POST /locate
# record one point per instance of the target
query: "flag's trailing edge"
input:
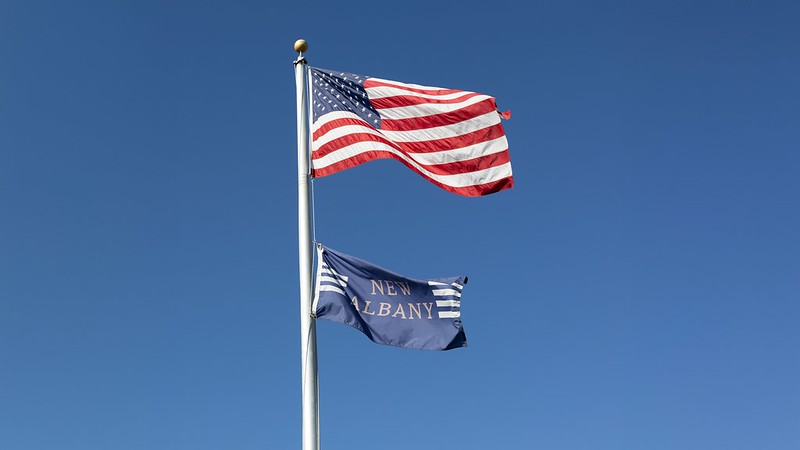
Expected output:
(453, 138)
(387, 307)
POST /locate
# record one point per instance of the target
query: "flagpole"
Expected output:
(308, 331)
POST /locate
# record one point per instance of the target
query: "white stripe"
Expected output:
(334, 276)
(446, 292)
(436, 283)
(460, 287)
(408, 85)
(447, 156)
(451, 303)
(402, 112)
(326, 287)
(315, 302)
(421, 135)
(328, 271)
(330, 117)
(387, 91)
(462, 154)
(449, 314)
(457, 180)
(324, 277)
(445, 131)
(344, 130)
(428, 109)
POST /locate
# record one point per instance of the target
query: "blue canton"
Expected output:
(341, 91)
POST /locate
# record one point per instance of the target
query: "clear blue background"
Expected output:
(639, 288)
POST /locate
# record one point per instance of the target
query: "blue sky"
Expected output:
(639, 288)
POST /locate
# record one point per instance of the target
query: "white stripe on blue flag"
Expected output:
(387, 307)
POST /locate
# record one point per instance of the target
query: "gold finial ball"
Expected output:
(300, 45)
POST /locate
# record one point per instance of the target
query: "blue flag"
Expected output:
(389, 308)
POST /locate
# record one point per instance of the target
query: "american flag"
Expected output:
(453, 138)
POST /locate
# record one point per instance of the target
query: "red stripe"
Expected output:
(437, 145)
(434, 145)
(469, 191)
(470, 165)
(371, 82)
(438, 120)
(349, 139)
(451, 168)
(339, 123)
(476, 137)
(409, 100)
(483, 189)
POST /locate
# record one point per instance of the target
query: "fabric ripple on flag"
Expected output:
(387, 307)
(452, 138)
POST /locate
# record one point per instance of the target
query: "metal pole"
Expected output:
(308, 331)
